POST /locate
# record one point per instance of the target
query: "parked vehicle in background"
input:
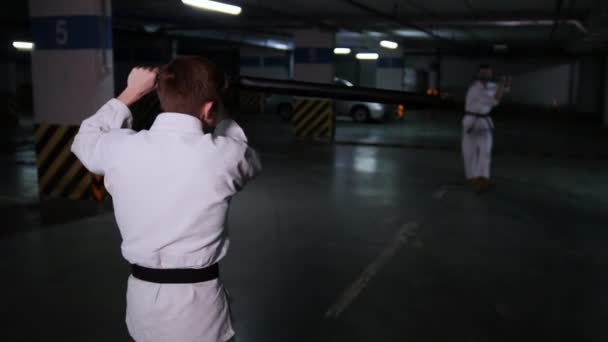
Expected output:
(357, 110)
(279, 104)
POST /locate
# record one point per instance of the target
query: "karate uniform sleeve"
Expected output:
(246, 169)
(242, 163)
(229, 128)
(94, 140)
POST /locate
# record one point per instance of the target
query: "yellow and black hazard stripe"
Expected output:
(60, 173)
(12, 106)
(251, 102)
(314, 118)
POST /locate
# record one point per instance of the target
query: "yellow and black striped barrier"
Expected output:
(314, 118)
(60, 173)
(251, 102)
(12, 106)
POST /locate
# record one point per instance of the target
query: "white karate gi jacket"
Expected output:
(171, 187)
(480, 100)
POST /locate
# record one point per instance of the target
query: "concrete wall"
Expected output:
(546, 86)
(347, 68)
(539, 82)
(389, 72)
(605, 92)
(131, 49)
(360, 73)
(15, 71)
(566, 83)
(389, 78)
(415, 80)
(16, 77)
(367, 73)
(267, 63)
(420, 73)
(589, 93)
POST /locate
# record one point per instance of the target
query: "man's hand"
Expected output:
(140, 82)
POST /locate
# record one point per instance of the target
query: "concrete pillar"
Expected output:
(390, 71)
(72, 76)
(605, 94)
(72, 59)
(314, 62)
(367, 73)
(314, 56)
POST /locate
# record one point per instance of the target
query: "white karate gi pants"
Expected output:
(476, 151)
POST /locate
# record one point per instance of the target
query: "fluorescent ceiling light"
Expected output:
(214, 6)
(341, 51)
(389, 44)
(375, 34)
(151, 28)
(23, 45)
(410, 33)
(367, 56)
(277, 45)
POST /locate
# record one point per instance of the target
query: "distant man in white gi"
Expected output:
(171, 187)
(477, 126)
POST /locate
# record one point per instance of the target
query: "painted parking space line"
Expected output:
(406, 233)
(440, 193)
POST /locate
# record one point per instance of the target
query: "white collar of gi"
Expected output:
(177, 122)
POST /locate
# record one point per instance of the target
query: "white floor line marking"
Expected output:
(440, 193)
(405, 234)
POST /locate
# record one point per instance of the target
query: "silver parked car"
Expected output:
(358, 111)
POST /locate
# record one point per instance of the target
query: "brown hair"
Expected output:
(186, 83)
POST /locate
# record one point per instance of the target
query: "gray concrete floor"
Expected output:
(513, 135)
(524, 262)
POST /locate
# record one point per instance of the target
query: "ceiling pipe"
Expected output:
(559, 5)
(269, 42)
(400, 21)
(575, 23)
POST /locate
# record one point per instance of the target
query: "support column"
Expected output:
(605, 94)
(390, 71)
(314, 56)
(314, 62)
(72, 76)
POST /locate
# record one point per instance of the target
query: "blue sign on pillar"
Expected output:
(390, 62)
(313, 55)
(72, 32)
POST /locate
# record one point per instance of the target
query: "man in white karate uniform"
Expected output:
(477, 126)
(171, 187)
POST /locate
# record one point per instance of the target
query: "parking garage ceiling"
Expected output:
(572, 26)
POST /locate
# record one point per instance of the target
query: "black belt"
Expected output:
(478, 115)
(175, 275)
(486, 117)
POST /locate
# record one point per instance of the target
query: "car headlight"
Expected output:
(376, 106)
